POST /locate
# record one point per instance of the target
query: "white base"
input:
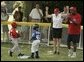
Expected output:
(23, 57)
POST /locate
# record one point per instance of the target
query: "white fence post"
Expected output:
(48, 35)
(30, 30)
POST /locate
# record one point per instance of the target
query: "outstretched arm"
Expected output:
(46, 13)
(65, 15)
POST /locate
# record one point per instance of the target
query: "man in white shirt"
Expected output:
(36, 14)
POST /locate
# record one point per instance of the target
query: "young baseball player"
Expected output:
(14, 35)
(35, 42)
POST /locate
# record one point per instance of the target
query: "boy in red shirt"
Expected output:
(74, 29)
(14, 35)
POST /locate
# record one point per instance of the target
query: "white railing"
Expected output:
(46, 25)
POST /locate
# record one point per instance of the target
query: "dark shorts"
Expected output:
(73, 38)
(57, 32)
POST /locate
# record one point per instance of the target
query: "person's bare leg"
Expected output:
(54, 44)
(58, 45)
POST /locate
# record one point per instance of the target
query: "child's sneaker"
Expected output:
(37, 54)
(11, 53)
(73, 55)
(32, 56)
(70, 53)
(20, 54)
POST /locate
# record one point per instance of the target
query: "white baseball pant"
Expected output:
(15, 43)
(35, 46)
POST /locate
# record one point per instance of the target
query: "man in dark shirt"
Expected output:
(18, 15)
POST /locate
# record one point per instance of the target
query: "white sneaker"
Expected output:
(73, 55)
(8, 51)
(70, 53)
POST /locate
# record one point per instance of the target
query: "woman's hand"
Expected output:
(46, 8)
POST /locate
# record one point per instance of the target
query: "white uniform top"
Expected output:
(57, 21)
(34, 14)
(35, 35)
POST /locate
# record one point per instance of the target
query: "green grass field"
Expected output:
(44, 55)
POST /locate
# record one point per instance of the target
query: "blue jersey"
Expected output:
(35, 35)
